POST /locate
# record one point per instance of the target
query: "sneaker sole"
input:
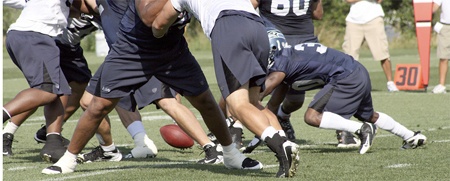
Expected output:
(295, 161)
(39, 140)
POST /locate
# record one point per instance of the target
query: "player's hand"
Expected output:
(183, 19)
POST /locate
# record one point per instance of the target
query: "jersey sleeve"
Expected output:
(177, 5)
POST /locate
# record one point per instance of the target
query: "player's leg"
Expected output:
(143, 145)
(84, 131)
(10, 129)
(189, 123)
(107, 150)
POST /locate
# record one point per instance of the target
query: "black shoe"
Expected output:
(287, 128)
(7, 144)
(98, 154)
(347, 140)
(287, 154)
(236, 136)
(41, 136)
(252, 145)
(213, 138)
(366, 135)
(212, 155)
(53, 149)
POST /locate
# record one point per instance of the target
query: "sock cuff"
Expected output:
(268, 132)
(135, 128)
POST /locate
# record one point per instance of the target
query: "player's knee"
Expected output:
(312, 118)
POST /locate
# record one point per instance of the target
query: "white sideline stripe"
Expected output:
(113, 169)
(270, 166)
(19, 168)
(85, 175)
(440, 141)
(402, 165)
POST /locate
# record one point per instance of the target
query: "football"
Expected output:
(176, 137)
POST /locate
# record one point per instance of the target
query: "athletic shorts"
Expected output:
(37, 56)
(443, 48)
(350, 96)
(73, 63)
(240, 54)
(373, 33)
(150, 92)
(121, 74)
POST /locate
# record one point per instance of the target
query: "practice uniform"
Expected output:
(137, 56)
(294, 20)
(345, 83)
(31, 45)
(73, 63)
(111, 13)
(246, 60)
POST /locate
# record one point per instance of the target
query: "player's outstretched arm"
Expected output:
(272, 81)
(164, 20)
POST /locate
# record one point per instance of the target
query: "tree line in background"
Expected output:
(399, 17)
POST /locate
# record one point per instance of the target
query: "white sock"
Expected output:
(282, 133)
(53, 133)
(237, 124)
(100, 139)
(135, 128)
(67, 160)
(10, 128)
(385, 122)
(268, 133)
(111, 147)
(229, 148)
(282, 114)
(333, 121)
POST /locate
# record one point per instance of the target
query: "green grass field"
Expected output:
(320, 159)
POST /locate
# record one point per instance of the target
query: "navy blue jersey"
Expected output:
(291, 17)
(311, 65)
(111, 12)
(135, 31)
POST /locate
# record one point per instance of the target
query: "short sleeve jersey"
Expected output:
(311, 65)
(291, 17)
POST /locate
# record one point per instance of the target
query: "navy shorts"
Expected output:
(350, 96)
(150, 92)
(240, 54)
(37, 56)
(122, 73)
(73, 63)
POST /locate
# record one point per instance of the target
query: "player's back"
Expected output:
(313, 61)
(289, 17)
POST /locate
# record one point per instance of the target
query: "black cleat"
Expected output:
(7, 144)
(347, 140)
(212, 155)
(53, 149)
(41, 136)
(366, 135)
(287, 128)
(287, 154)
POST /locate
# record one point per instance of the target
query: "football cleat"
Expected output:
(98, 154)
(347, 140)
(236, 160)
(287, 128)
(7, 144)
(252, 145)
(287, 154)
(41, 136)
(53, 149)
(213, 155)
(417, 140)
(366, 134)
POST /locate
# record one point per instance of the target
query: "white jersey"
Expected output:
(207, 11)
(48, 17)
(18, 4)
(445, 10)
(362, 12)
